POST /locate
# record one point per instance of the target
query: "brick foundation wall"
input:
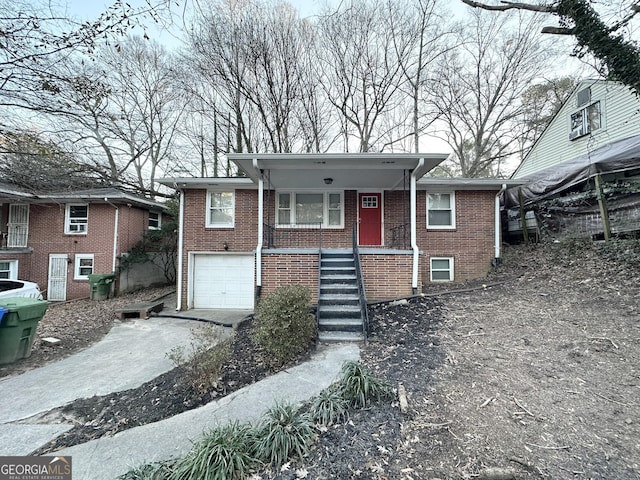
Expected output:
(279, 270)
(387, 276)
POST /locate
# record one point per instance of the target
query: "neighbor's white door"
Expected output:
(223, 281)
(57, 284)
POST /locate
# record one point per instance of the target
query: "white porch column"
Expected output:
(414, 240)
(179, 281)
(260, 226)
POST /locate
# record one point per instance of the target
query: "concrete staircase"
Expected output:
(339, 312)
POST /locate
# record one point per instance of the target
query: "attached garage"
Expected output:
(224, 280)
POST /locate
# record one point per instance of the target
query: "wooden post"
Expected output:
(523, 220)
(604, 213)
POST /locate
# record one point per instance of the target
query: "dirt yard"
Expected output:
(532, 373)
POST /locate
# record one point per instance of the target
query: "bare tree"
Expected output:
(36, 36)
(363, 68)
(422, 33)
(252, 54)
(479, 93)
(119, 112)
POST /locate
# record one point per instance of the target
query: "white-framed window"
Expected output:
(585, 121)
(441, 210)
(310, 208)
(441, 269)
(9, 269)
(18, 225)
(76, 218)
(83, 267)
(155, 220)
(220, 209)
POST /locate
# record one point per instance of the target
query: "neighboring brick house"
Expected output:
(57, 240)
(243, 237)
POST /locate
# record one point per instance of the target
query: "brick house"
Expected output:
(57, 240)
(322, 219)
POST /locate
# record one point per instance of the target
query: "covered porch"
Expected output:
(317, 200)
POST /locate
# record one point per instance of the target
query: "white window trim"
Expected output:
(76, 269)
(208, 223)
(13, 269)
(451, 272)
(585, 130)
(325, 209)
(67, 219)
(452, 226)
(159, 220)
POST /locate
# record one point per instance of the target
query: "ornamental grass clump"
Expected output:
(329, 407)
(360, 388)
(283, 324)
(284, 431)
(150, 471)
(224, 453)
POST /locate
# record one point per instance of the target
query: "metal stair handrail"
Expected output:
(364, 311)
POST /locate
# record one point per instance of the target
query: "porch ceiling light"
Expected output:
(328, 181)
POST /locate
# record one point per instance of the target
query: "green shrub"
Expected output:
(203, 363)
(360, 388)
(329, 407)
(284, 326)
(284, 431)
(222, 454)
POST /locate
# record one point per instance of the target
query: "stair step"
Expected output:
(337, 278)
(338, 289)
(334, 254)
(341, 309)
(336, 263)
(331, 272)
(350, 298)
(340, 324)
(330, 337)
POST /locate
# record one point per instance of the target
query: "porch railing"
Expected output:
(400, 236)
(364, 310)
(295, 236)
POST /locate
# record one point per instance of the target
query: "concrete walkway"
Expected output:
(132, 353)
(109, 457)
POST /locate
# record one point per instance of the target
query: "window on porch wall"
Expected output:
(294, 208)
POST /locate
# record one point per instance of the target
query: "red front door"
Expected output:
(369, 219)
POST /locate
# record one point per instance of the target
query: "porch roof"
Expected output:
(336, 170)
(442, 184)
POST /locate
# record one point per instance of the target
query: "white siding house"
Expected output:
(597, 113)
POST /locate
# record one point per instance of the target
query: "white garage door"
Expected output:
(222, 281)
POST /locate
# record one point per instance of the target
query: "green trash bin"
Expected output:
(101, 285)
(18, 325)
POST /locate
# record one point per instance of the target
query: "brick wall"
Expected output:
(471, 243)
(279, 270)
(387, 276)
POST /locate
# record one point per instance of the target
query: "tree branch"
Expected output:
(506, 5)
(558, 30)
